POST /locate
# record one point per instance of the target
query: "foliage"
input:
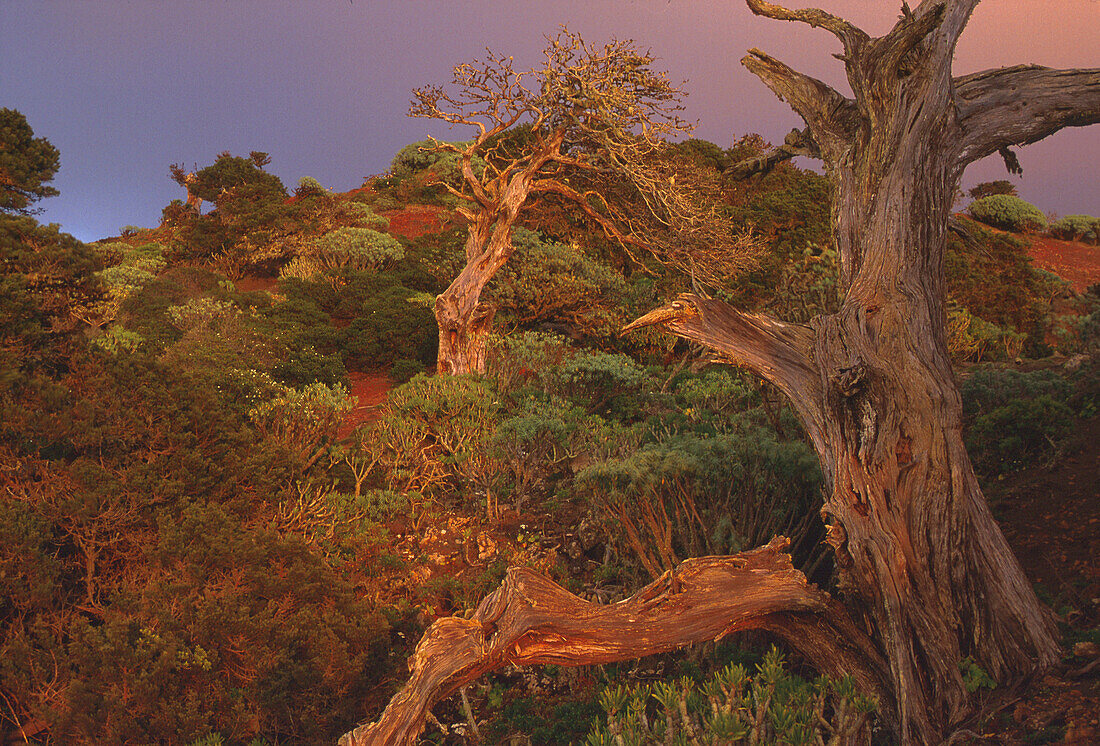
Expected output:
(772, 706)
(515, 359)
(390, 327)
(129, 268)
(358, 249)
(1077, 228)
(996, 320)
(532, 444)
(1008, 213)
(1014, 419)
(788, 210)
(27, 164)
(308, 185)
(147, 591)
(433, 435)
(598, 381)
(989, 188)
(47, 286)
(548, 282)
(445, 165)
(229, 172)
(303, 421)
(688, 496)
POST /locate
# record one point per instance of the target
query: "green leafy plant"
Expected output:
(1008, 213)
(770, 707)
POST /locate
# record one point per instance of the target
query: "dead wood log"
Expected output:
(530, 619)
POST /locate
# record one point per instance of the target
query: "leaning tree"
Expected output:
(587, 127)
(926, 579)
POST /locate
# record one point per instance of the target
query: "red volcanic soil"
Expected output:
(1076, 263)
(413, 221)
(371, 389)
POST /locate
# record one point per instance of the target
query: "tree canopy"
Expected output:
(27, 164)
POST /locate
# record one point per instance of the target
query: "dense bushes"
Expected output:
(1014, 419)
(1008, 213)
(1077, 228)
(548, 283)
(147, 591)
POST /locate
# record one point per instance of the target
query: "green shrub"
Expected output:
(595, 379)
(117, 340)
(989, 188)
(693, 495)
(1077, 228)
(305, 365)
(309, 185)
(358, 249)
(404, 370)
(1008, 213)
(515, 359)
(433, 435)
(303, 420)
(389, 328)
(426, 154)
(547, 282)
(532, 444)
(733, 708)
(1014, 419)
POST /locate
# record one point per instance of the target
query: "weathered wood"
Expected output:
(917, 551)
(530, 619)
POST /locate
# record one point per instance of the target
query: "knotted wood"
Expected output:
(530, 619)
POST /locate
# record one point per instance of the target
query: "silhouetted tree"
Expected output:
(27, 164)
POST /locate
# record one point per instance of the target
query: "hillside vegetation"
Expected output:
(193, 552)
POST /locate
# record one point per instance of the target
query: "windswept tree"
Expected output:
(589, 127)
(927, 583)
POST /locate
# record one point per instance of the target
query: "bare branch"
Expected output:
(1021, 105)
(829, 116)
(776, 351)
(850, 35)
(531, 620)
(797, 142)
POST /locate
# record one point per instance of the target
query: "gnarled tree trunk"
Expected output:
(926, 576)
(464, 320)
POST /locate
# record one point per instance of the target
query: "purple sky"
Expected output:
(125, 87)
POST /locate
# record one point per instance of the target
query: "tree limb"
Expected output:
(776, 351)
(828, 114)
(1021, 105)
(891, 51)
(798, 142)
(530, 619)
(851, 36)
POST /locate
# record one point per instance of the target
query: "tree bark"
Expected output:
(919, 555)
(530, 620)
(464, 320)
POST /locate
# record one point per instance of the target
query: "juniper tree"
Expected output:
(927, 582)
(587, 127)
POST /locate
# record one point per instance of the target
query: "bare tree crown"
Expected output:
(595, 124)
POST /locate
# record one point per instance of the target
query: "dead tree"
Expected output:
(588, 123)
(926, 577)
